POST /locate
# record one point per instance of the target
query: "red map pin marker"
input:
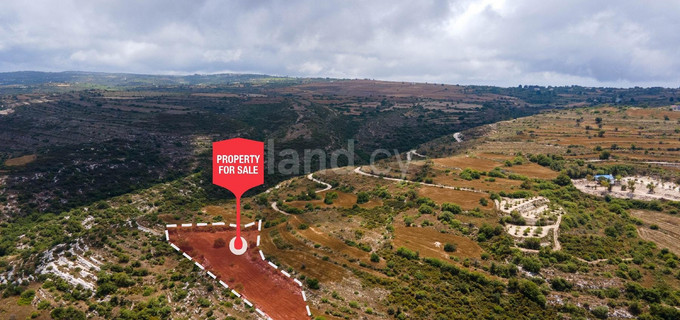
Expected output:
(238, 165)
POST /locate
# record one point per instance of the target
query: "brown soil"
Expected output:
(248, 274)
(466, 199)
(668, 233)
(424, 241)
(20, 161)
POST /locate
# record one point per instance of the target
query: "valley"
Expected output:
(491, 207)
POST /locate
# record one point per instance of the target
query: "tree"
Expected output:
(69, 313)
(532, 291)
(362, 197)
(600, 312)
(605, 183)
(531, 264)
(562, 179)
(531, 243)
(605, 154)
(526, 184)
(651, 186)
(425, 209)
(313, 283)
(219, 243)
(631, 185)
(330, 197)
(560, 284)
(408, 254)
(452, 207)
(450, 247)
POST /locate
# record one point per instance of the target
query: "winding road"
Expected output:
(328, 186)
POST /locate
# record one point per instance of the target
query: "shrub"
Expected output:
(26, 297)
(531, 243)
(362, 197)
(450, 247)
(425, 209)
(531, 264)
(451, 207)
(604, 155)
(313, 283)
(531, 290)
(600, 312)
(407, 253)
(560, 284)
(562, 179)
(470, 174)
(446, 216)
(69, 313)
(219, 243)
(330, 197)
(44, 305)
(203, 302)
(106, 288)
(375, 257)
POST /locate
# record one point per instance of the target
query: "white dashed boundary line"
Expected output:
(212, 275)
(224, 284)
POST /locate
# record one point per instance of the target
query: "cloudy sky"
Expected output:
(610, 43)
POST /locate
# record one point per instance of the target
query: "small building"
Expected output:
(675, 107)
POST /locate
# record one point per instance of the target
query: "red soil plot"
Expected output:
(277, 295)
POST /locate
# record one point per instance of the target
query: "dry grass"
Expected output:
(668, 233)
(466, 199)
(425, 241)
(555, 132)
(463, 162)
(302, 257)
(533, 170)
(478, 184)
(20, 161)
(344, 200)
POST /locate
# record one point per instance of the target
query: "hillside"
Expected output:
(508, 218)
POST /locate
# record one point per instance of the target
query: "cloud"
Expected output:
(493, 42)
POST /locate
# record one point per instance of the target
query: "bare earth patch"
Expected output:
(20, 161)
(668, 233)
